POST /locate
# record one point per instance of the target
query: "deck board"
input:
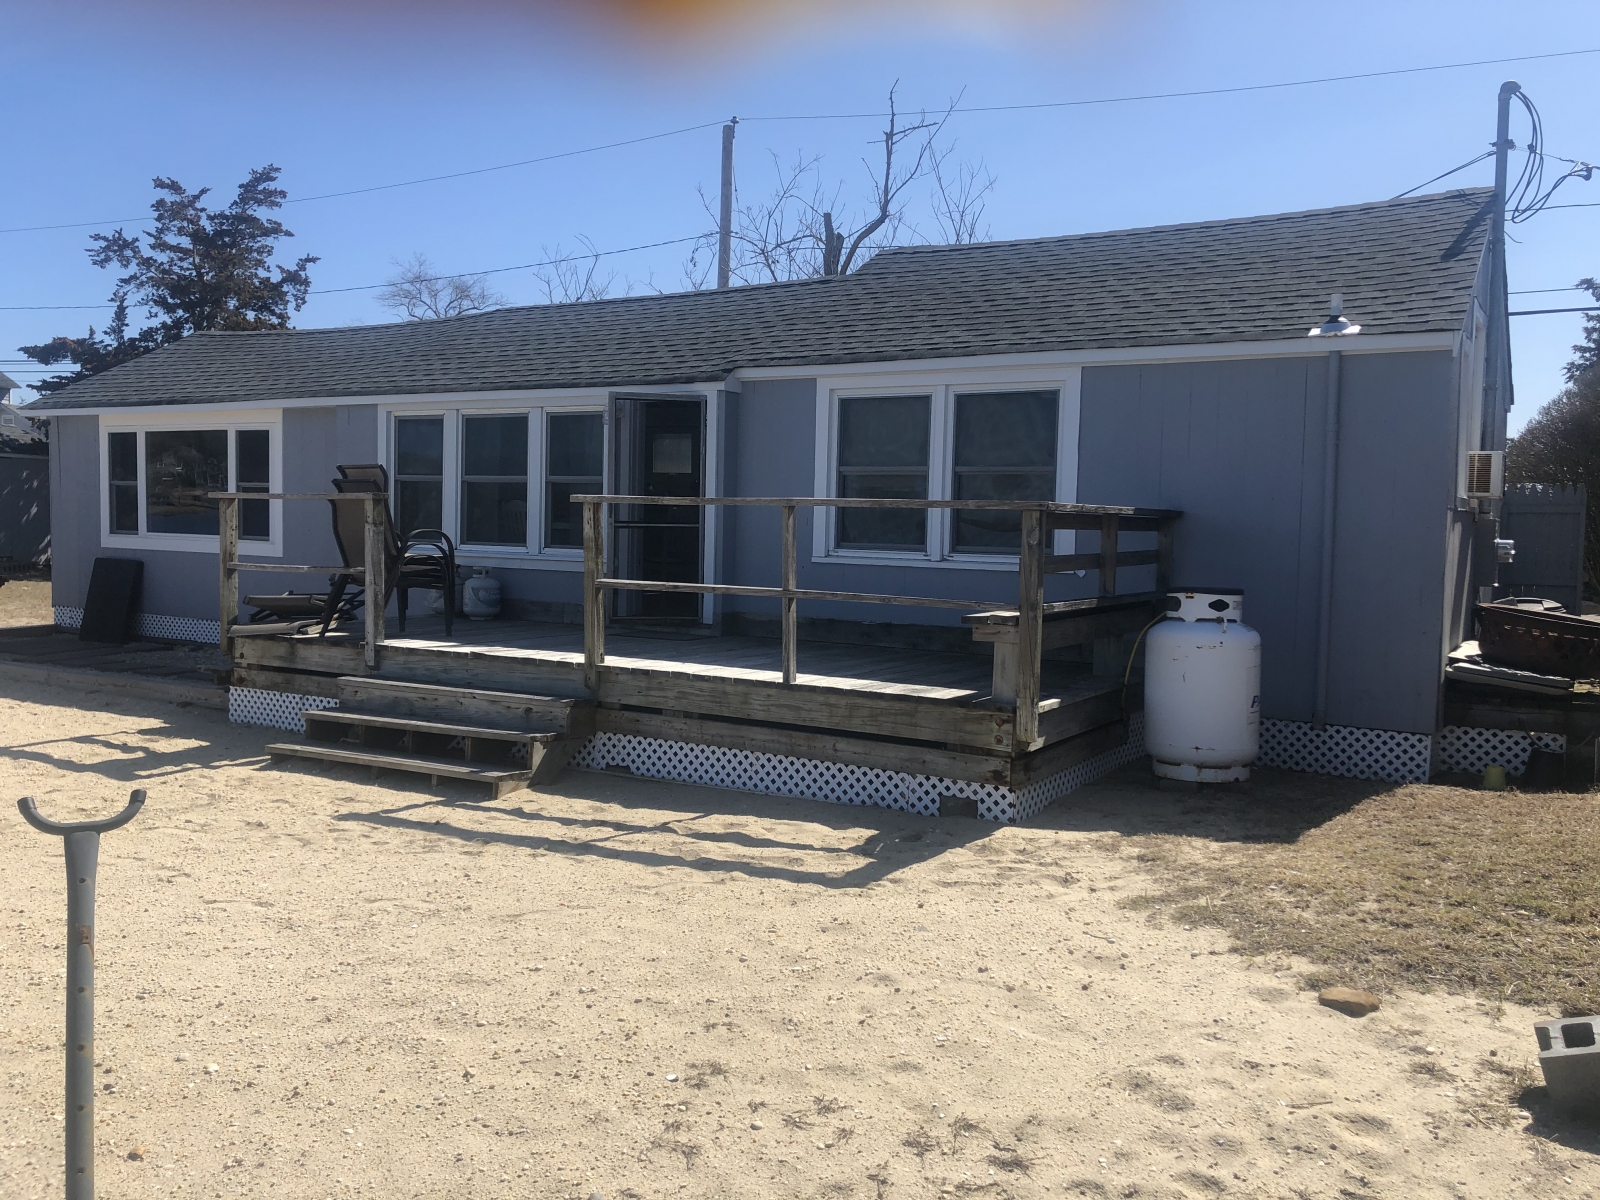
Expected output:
(923, 674)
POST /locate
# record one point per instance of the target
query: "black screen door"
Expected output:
(660, 452)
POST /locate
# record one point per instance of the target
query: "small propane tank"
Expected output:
(1202, 688)
(480, 595)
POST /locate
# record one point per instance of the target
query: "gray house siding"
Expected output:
(1238, 446)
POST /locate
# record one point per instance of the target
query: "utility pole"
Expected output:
(725, 230)
(1499, 349)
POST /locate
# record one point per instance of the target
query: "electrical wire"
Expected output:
(1528, 197)
(1470, 162)
(972, 110)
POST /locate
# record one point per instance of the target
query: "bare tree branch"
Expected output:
(574, 277)
(422, 294)
(799, 230)
(960, 195)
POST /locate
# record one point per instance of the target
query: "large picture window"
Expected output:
(883, 454)
(180, 468)
(1004, 448)
(419, 473)
(574, 454)
(494, 480)
(159, 484)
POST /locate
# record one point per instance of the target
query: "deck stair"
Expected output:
(505, 740)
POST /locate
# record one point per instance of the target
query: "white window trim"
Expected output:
(535, 555)
(942, 387)
(193, 543)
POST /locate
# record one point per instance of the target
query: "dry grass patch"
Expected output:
(1419, 886)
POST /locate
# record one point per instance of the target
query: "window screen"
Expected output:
(419, 474)
(494, 480)
(574, 450)
(122, 454)
(181, 468)
(253, 473)
(1004, 449)
(883, 454)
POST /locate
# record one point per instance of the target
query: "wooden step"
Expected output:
(545, 751)
(356, 718)
(507, 710)
(499, 780)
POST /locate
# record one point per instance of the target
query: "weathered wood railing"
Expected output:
(229, 566)
(1034, 562)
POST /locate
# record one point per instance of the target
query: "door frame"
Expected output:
(711, 401)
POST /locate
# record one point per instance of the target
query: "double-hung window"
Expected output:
(1003, 448)
(883, 455)
(948, 443)
(574, 453)
(494, 480)
(159, 483)
(418, 474)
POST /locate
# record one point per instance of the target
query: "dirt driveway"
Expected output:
(313, 986)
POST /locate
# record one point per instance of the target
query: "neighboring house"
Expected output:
(1166, 367)
(24, 484)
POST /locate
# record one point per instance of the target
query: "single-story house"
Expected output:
(1187, 367)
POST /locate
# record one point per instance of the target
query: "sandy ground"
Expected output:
(26, 602)
(312, 986)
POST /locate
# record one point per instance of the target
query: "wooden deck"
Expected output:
(915, 710)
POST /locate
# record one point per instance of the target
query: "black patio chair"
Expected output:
(425, 558)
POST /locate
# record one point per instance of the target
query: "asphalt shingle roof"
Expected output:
(1404, 266)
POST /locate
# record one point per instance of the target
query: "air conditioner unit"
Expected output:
(1486, 474)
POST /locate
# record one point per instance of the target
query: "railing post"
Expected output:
(376, 585)
(1164, 549)
(1030, 626)
(791, 633)
(1109, 527)
(228, 573)
(594, 610)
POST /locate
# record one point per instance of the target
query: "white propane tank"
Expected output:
(480, 596)
(1202, 688)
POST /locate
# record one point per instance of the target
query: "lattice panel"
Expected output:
(840, 783)
(1464, 748)
(275, 710)
(151, 625)
(1348, 751)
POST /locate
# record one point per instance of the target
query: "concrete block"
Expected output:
(1570, 1060)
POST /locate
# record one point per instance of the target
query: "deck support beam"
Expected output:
(376, 584)
(594, 600)
(228, 566)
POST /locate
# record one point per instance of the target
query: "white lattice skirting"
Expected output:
(1463, 748)
(839, 783)
(152, 625)
(275, 710)
(1397, 757)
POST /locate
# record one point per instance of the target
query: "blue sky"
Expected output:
(102, 97)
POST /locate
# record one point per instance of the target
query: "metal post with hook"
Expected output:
(82, 843)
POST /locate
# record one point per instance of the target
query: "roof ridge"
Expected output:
(1212, 223)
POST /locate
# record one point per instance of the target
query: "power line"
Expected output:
(549, 262)
(1470, 162)
(972, 109)
(1538, 291)
(370, 287)
(1538, 312)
